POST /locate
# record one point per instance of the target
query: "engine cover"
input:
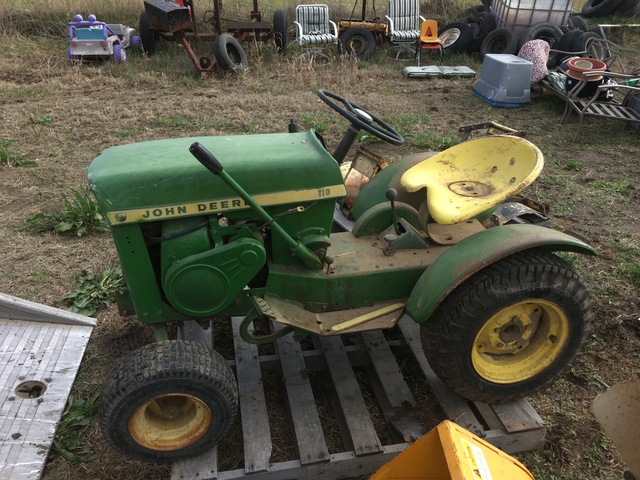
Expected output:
(206, 283)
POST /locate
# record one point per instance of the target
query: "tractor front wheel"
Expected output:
(510, 329)
(168, 401)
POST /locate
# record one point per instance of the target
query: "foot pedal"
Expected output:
(263, 307)
(287, 312)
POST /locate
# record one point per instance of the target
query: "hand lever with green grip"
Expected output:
(206, 158)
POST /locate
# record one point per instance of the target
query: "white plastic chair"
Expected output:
(314, 30)
(404, 24)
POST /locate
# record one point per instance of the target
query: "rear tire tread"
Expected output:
(445, 330)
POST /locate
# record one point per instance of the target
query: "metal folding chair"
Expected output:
(404, 24)
(314, 30)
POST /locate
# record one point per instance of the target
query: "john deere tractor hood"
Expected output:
(160, 179)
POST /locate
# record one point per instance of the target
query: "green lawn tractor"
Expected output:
(212, 227)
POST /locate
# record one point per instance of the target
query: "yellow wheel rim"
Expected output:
(520, 341)
(170, 422)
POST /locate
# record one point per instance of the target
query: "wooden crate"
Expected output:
(513, 427)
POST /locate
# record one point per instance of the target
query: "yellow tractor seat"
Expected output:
(470, 178)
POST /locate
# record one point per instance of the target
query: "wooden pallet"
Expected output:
(513, 427)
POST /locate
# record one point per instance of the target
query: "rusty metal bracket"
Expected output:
(492, 128)
(204, 66)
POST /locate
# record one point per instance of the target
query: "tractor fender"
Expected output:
(476, 252)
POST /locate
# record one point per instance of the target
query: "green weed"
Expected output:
(10, 157)
(249, 127)
(219, 124)
(364, 136)
(30, 92)
(408, 124)
(595, 456)
(632, 271)
(430, 141)
(43, 120)
(81, 215)
(624, 188)
(95, 291)
(572, 258)
(572, 165)
(563, 209)
(177, 122)
(70, 433)
(129, 133)
(318, 121)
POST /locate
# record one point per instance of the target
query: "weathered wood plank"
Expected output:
(489, 416)
(454, 405)
(202, 467)
(193, 332)
(387, 368)
(253, 408)
(339, 465)
(361, 430)
(516, 442)
(310, 440)
(390, 387)
(518, 416)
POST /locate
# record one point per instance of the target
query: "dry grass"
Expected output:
(41, 18)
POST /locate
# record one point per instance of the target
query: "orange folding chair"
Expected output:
(429, 39)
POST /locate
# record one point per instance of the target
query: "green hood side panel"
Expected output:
(159, 179)
(476, 252)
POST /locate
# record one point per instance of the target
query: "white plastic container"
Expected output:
(505, 80)
(517, 15)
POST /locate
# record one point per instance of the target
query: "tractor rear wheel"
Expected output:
(168, 401)
(147, 37)
(510, 329)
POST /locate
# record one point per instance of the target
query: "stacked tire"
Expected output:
(456, 37)
(601, 8)
(479, 34)
(462, 37)
(548, 32)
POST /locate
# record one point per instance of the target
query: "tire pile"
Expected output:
(479, 32)
(621, 8)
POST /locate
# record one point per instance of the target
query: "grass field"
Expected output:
(56, 117)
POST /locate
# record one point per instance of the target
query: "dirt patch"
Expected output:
(592, 187)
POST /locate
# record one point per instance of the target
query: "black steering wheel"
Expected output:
(360, 118)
